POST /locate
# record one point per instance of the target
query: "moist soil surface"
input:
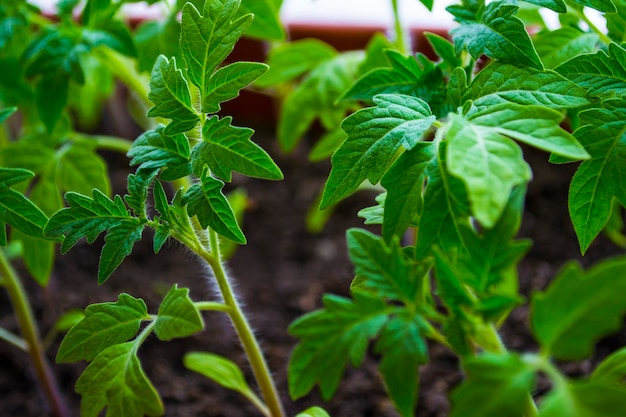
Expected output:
(280, 275)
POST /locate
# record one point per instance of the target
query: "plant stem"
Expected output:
(398, 29)
(28, 328)
(242, 327)
(603, 37)
(212, 306)
(13, 339)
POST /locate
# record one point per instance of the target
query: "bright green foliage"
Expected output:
(506, 83)
(155, 150)
(497, 385)
(495, 31)
(612, 369)
(209, 204)
(104, 325)
(602, 73)
(557, 46)
(583, 398)
(171, 97)
(228, 148)
(332, 337)
(589, 305)
(375, 134)
(17, 210)
(177, 317)
(115, 380)
(225, 84)
(601, 178)
(489, 164)
(266, 23)
(221, 370)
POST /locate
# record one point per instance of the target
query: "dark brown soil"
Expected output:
(280, 275)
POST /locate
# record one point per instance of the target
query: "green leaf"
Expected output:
(600, 178)
(177, 316)
(404, 349)
(554, 5)
(489, 164)
(207, 39)
(606, 6)
(450, 284)
(104, 325)
(616, 22)
(227, 81)
(404, 183)
(51, 95)
(331, 337)
(38, 256)
(266, 23)
(138, 186)
(584, 399)
(384, 270)
(497, 33)
(505, 83)
(226, 148)
(221, 370)
(496, 385)
(155, 149)
(533, 125)
(86, 217)
(557, 46)
(602, 74)
(579, 307)
(313, 412)
(154, 38)
(81, 169)
(292, 59)
(171, 97)
(115, 380)
(612, 369)
(444, 49)
(208, 203)
(449, 212)
(374, 136)
(316, 97)
(17, 210)
(118, 244)
(407, 75)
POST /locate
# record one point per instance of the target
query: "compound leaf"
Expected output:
(601, 178)
(226, 148)
(374, 136)
(16, 209)
(207, 39)
(579, 307)
(170, 94)
(506, 83)
(330, 338)
(488, 163)
(86, 217)
(104, 325)
(208, 203)
(584, 399)
(497, 33)
(177, 316)
(115, 380)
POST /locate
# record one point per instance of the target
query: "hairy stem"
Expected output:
(30, 333)
(399, 32)
(242, 327)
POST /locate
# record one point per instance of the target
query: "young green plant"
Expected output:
(443, 140)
